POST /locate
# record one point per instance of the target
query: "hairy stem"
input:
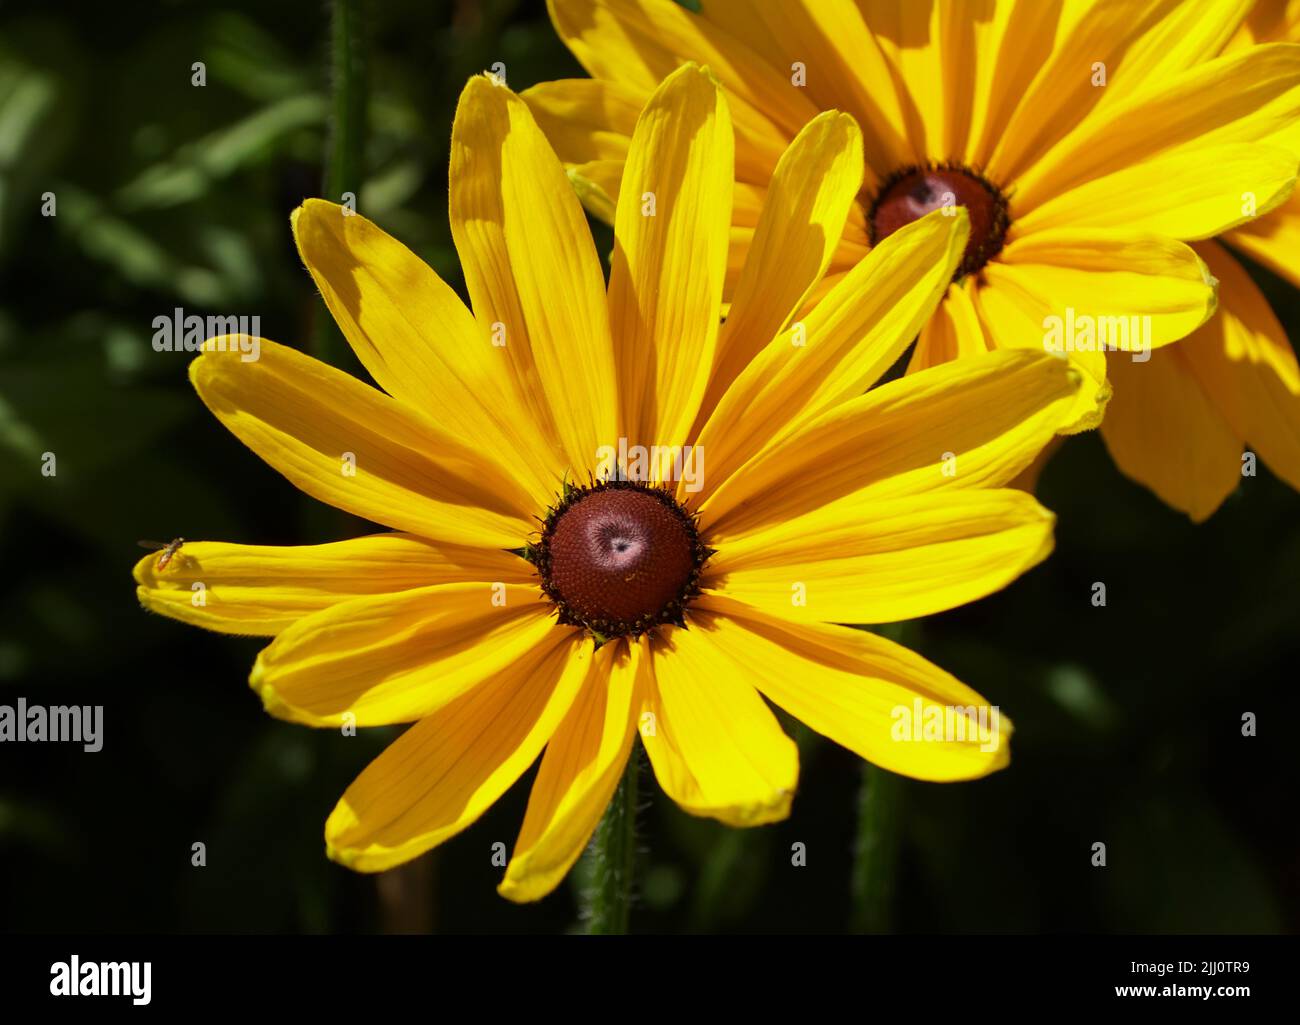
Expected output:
(608, 897)
(875, 855)
(345, 157)
(346, 145)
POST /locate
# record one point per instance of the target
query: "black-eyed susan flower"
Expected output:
(540, 595)
(1090, 141)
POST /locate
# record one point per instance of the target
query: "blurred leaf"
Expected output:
(199, 165)
(133, 254)
(1077, 692)
(391, 188)
(245, 57)
(34, 123)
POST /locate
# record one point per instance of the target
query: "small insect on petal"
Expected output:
(169, 549)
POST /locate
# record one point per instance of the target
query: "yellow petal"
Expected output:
(954, 330)
(1027, 479)
(1171, 194)
(944, 53)
(972, 423)
(1163, 431)
(1012, 317)
(670, 256)
(802, 219)
(1269, 21)
(1061, 290)
(639, 43)
(841, 347)
(393, 658)
(868, 694)
(1245, 364)
(446, 770)
(586, 119)
(415, 336)
(531, 266)
(349, 445)
(597, 183)
(1113, 276)
(262, 589)
(578, 774)
(1009, 45)
(1181, 34)
(589, 122)
(840, 63)
(716, 748)
(866, 560)
(1193, 120)
(749, 200)
(1273, 240)
(1142, 41)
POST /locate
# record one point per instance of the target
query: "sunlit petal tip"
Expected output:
(775, 807)
(1001, 755)
(308, 217)
(956, 221)
(959, 233)
(525, 883)
(358, 859)
(839, 121)
(522, 890)
(486, 91)
(701, 76)
(277, 707)
(272, 703)
(313, 206)
(1090, 419)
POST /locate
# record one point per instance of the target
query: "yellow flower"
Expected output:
(663, 608)
(1091, 140)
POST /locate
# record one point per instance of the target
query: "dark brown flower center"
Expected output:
(619, 558)
(912, 192)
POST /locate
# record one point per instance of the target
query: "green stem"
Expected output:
(346, 146)
(608, 897)
(345, 158)
(875, 855)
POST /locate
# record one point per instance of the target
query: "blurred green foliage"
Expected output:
(168, 194)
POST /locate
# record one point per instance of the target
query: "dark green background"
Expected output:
(1128, 717)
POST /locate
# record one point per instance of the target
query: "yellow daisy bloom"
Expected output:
(1091, 141)
(535, 599)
